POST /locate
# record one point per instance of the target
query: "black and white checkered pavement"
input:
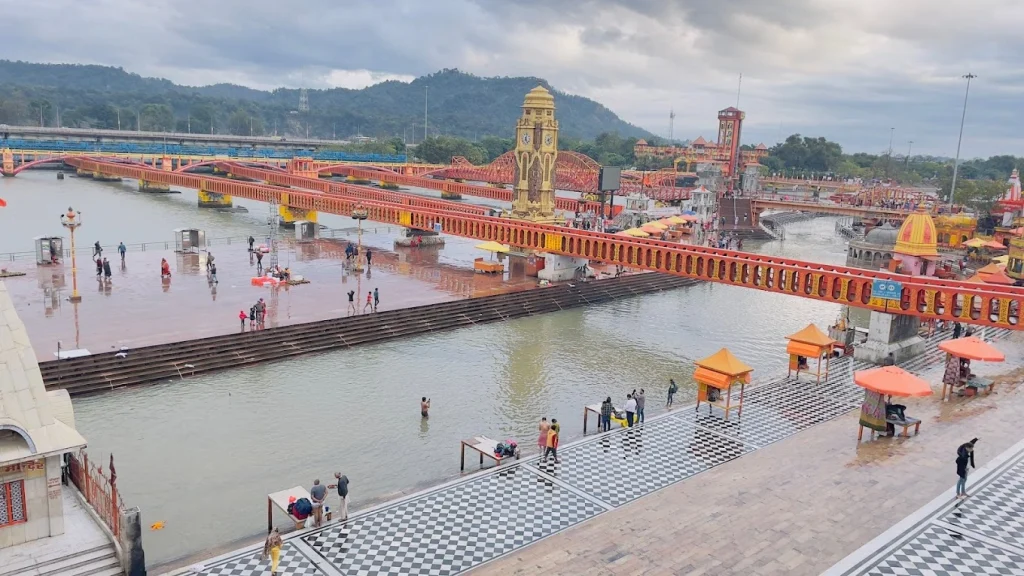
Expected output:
(459, 526)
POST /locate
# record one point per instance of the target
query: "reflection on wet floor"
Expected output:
(136, 307)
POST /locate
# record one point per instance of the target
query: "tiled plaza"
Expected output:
(617, 502)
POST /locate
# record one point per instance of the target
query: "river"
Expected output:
(200, 455)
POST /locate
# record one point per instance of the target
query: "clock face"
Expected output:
(526, 137)
(549, 139)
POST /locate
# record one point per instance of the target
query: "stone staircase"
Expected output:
(99, 561)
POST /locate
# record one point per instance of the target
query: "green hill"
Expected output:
(460, 104)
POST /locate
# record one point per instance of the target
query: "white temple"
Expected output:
(1013, 192)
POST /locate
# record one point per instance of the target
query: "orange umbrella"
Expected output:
(892, 381)
(651, 229)
(999, 278)
(972, 348)
(993, 245)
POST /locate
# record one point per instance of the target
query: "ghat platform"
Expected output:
(619, 502)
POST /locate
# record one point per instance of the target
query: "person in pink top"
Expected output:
(542, 439)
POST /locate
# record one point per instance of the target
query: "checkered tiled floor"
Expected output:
(293, 563)
(462, 525)
(938, 551)
(996, 510)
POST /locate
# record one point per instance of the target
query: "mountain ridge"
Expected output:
(459, 104)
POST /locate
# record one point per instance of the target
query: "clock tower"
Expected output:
(730, 122)
(536, 152)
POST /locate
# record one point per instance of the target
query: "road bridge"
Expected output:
(759, 205)
(924, 297)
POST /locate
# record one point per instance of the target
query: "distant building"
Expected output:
(725, 151)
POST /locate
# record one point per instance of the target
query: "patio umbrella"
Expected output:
(974, 243)
(675, 220)
(993, 245)
(1002, 260)
(648, 228)
(892, 381)
(635, 232)
(999, 278)
(972, 348)
(689, 217)
(658, 225)
(492, 246)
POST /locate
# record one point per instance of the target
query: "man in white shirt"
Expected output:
(630, 409)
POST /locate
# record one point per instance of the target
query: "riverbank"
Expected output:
(592, 509)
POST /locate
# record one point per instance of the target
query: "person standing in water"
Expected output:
(425, 407)
(121, 249)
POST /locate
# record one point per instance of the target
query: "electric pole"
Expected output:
(956, 162)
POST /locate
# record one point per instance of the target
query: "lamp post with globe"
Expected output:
(359, 213)
(72, 220)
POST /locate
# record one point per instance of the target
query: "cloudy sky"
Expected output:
(848, 70)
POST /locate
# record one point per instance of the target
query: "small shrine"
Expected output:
(917, 245)
(809, 343)
(716, 376)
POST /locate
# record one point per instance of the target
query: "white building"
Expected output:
(36, 429)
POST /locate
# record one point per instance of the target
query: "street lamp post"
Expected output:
(888, 158)
(956, 162)
(72, 220)
(359, 214)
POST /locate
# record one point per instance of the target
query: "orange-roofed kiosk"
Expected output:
(716, 375)
(809, 343)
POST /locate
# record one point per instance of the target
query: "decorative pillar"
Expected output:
(536, 152)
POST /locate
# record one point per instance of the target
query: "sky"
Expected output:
(848, 70)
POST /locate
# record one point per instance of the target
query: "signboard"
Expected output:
(885, 291)
(31, 469)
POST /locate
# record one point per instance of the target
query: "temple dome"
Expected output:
(917, 235)
(539, 97)
(884, 235)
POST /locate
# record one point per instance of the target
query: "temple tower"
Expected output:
(730, 123)
(536, 152)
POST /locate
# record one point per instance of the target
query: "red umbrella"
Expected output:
(2, 203)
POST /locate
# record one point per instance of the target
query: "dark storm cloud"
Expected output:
(846, 70)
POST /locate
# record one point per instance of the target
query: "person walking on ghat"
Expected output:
(630, 410)
(369, 257)
(957, 328)
(213, 273)
(251, 242)
(97, 250)
(106, 269)
(606, 414)
(542, 438)
(317, 494)
(272, 550)
(672, 389)
(425, 407)
(342, 486)
(209, 261)
(376, 299)
(369, 302)
(964, 456)
(242, 316)
(121, 249)
(641, 399)
(259, 262)
(351, 302)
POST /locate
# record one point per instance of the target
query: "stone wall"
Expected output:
(43, 504)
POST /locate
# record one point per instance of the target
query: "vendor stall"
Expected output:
(491, 266)
(959, 354)
(878, 413)
(809, 343)
(281, 500)
(716, 375)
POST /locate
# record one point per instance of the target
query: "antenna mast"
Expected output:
(739, 86)
(671, 125)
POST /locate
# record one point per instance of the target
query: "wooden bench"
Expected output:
(979, 384)
(280, 500)
(596, 409)
(485, 446)
(906, 423)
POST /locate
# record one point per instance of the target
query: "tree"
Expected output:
(242, 123)
(156, 118)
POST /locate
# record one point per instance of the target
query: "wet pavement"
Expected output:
(772, 497)
(139, 308)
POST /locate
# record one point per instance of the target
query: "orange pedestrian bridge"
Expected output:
(924, 297)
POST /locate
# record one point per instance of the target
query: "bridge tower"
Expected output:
(914, 255)
(8, 163)
(536, 152)
(730, 123)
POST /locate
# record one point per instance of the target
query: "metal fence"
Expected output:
(99, 488)
(169, 244)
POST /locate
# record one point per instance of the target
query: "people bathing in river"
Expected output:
(542, 437)
(121, 249)
(425, 407)
(165, 268)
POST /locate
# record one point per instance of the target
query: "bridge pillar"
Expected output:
(448, 194)
(147, 186)
(890, 333)
(558, 268)
(101, 177)
(8, 162)
(214, 200)
(288, 216)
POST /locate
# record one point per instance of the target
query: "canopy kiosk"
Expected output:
(189, 240)
(716, 375)
(491, 266)
(807, 343)
(280, 500)
(959, 354)
(49, 250)
(876, 413)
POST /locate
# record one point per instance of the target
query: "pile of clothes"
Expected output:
(301, 508)
(506, 449)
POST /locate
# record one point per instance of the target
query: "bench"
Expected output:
(280, 500)
(979, 384)
(905, 423)
(596, 409)
(485, 446)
